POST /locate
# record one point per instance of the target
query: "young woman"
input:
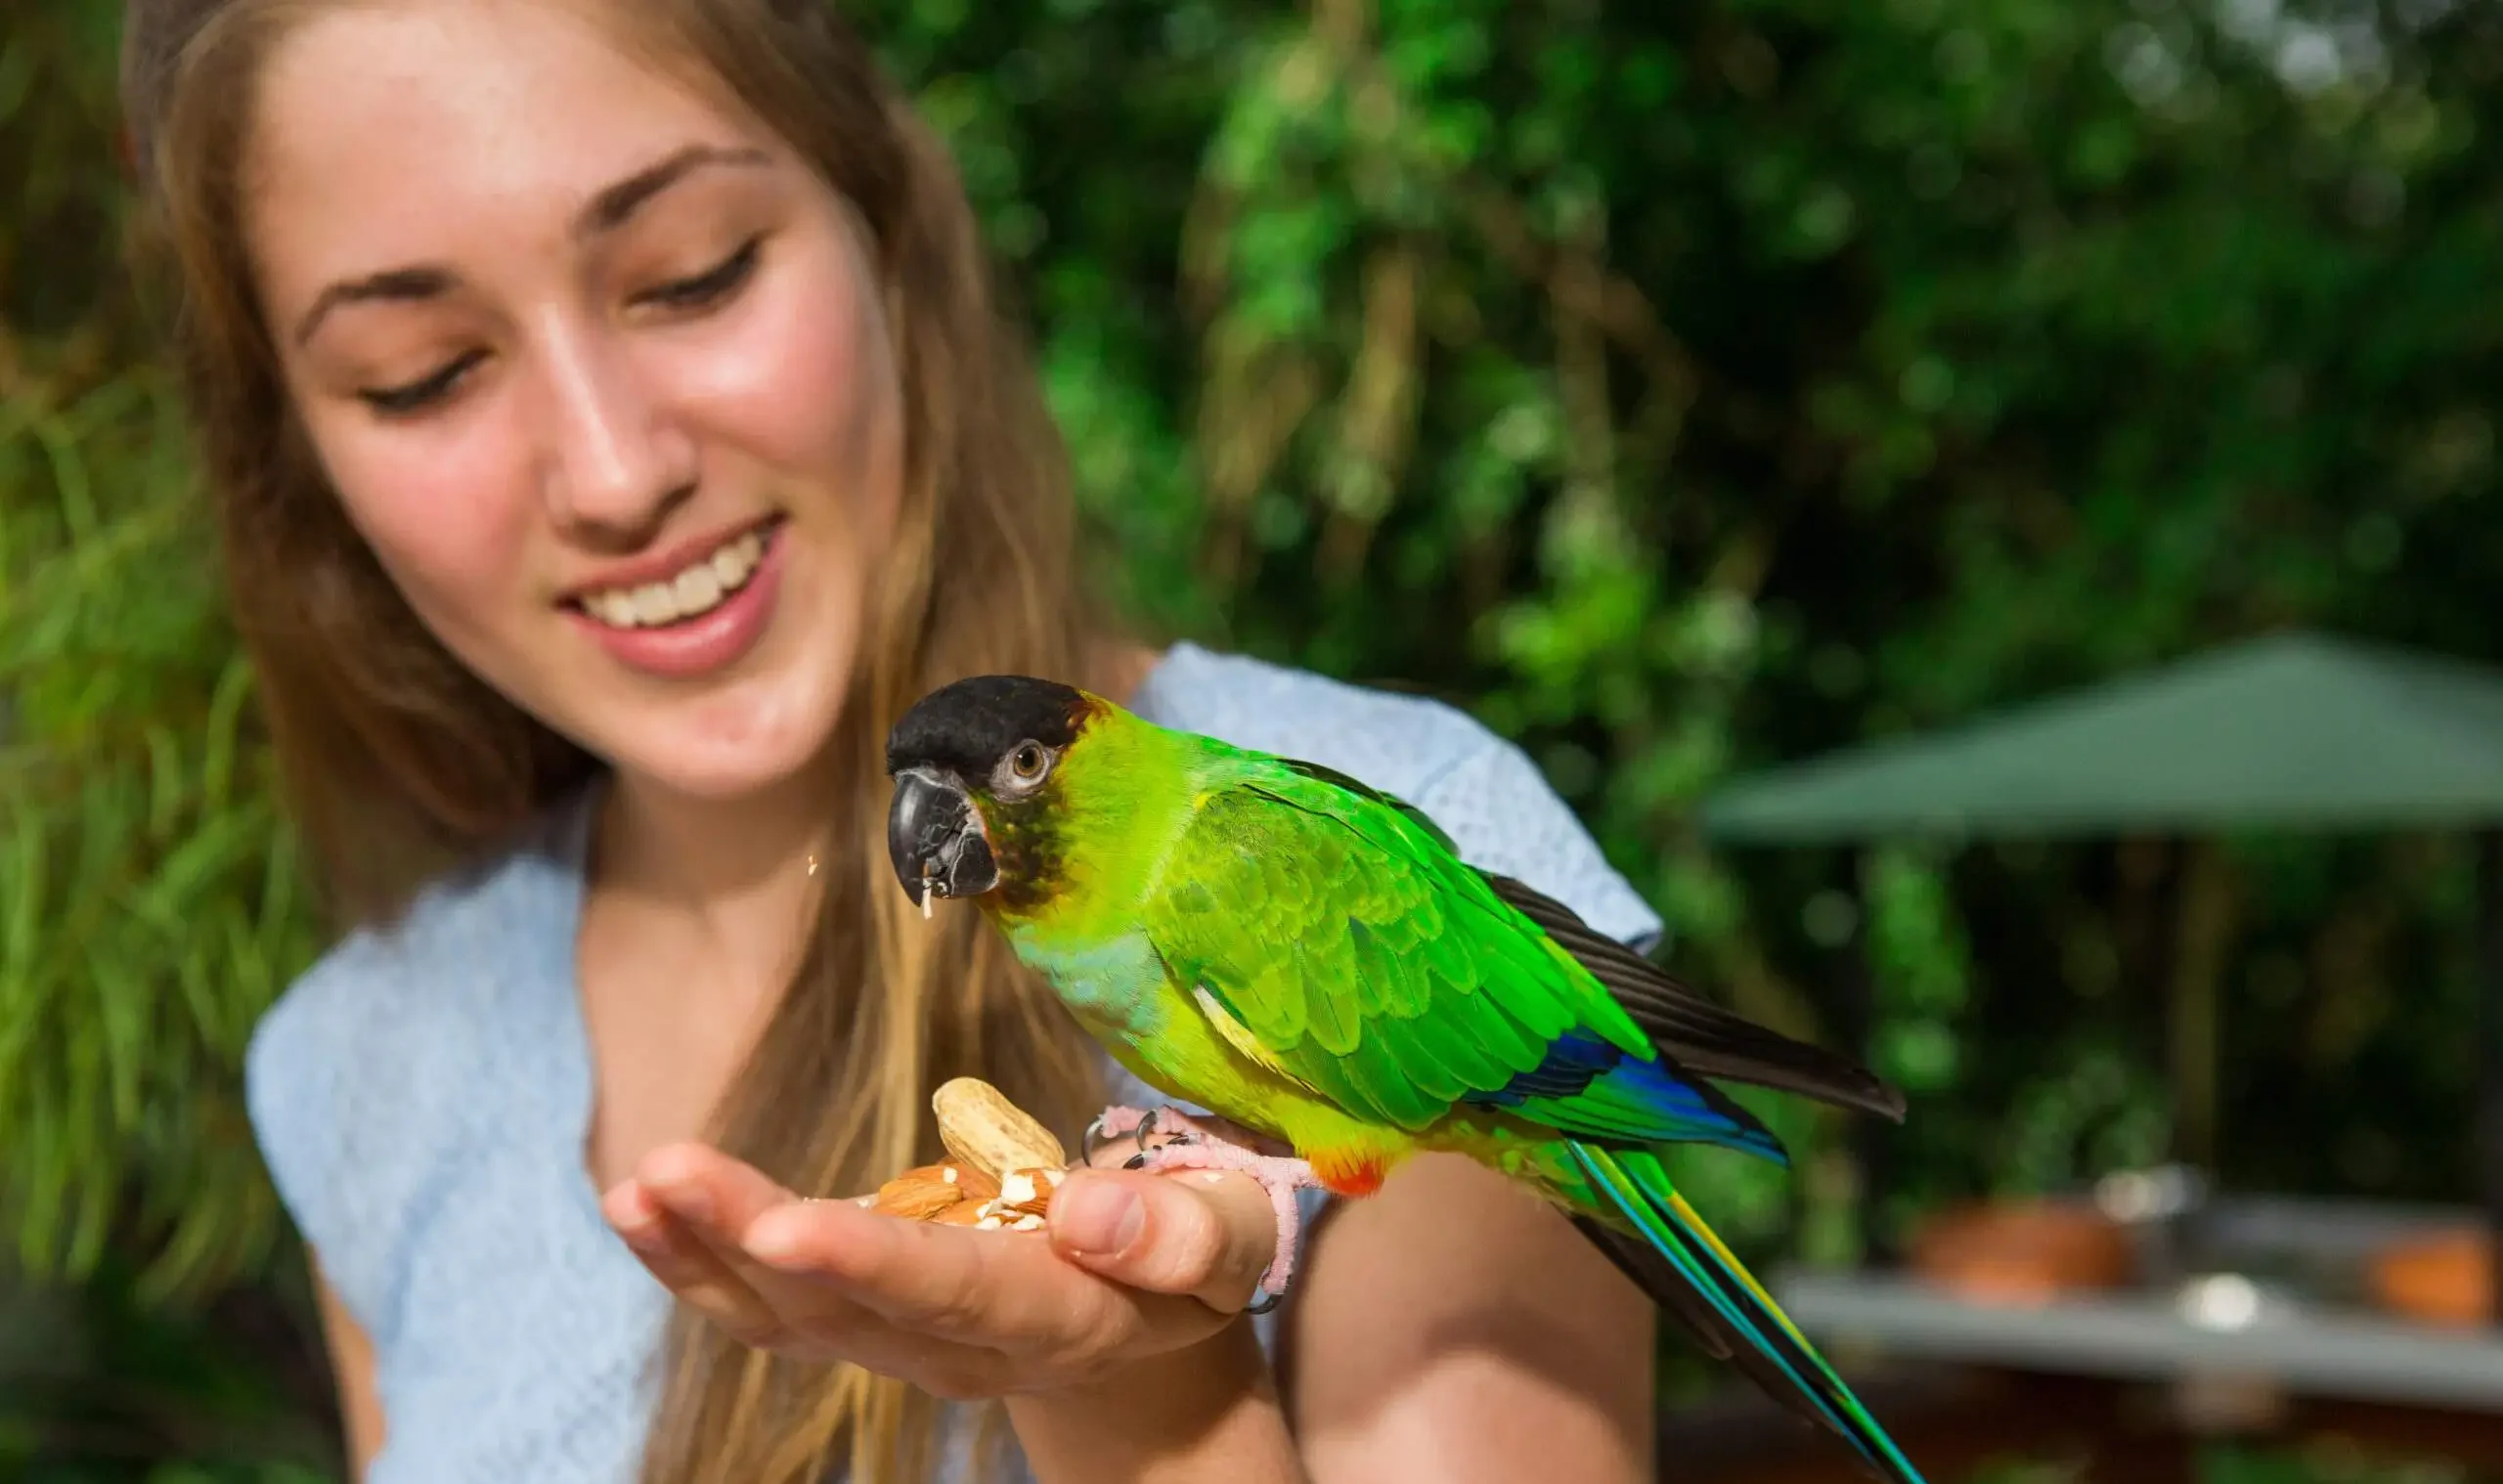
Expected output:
(611, 435)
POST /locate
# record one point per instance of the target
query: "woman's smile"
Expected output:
(687, 614)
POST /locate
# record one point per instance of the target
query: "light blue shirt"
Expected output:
(422, 1094)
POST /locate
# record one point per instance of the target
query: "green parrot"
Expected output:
(1309, 959)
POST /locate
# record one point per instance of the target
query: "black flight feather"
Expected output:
(1699, 1035)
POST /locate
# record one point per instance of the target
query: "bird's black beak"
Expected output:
(935, 840)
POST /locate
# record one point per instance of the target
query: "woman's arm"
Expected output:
(352, 1368)
(1207, 1415)
(1453, 1328)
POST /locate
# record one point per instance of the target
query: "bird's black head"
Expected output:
(969, 727)
(990, 740)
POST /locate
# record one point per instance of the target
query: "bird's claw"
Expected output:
(1281, 1176)
(1091, 1139)
(1139, 1126)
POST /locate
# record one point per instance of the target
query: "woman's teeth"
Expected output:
(691, 593)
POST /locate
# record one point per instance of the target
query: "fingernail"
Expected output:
(641, 1228)
(774, 1246)
(691, 1200)
(1098, 1216)
(633, 1215)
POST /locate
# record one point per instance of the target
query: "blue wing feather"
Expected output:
(1592, 1088)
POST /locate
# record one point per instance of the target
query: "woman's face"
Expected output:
(598, 367)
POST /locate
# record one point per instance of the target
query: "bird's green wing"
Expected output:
(1361, 959)
(1702, 1037)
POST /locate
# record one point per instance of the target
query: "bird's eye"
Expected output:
(1028, 762)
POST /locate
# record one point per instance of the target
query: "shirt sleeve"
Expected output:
(1482, 789)
(311, 1092)
(1500, 812)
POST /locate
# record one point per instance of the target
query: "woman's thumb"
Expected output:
(1207, 1234)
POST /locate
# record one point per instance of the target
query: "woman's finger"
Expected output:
(914, 1273)
(685, 1264)
(727, 1198)
(1000, 1290)
(719, 1198)
(710, 1191)
(769, 1310)
(1205, 1234)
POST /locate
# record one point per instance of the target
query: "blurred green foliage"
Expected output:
(1680, 388)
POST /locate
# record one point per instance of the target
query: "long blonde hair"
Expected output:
(398, 761)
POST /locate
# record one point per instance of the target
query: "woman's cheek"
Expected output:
(802, 368)
(451, 527)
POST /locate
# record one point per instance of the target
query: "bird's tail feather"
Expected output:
(1761, 1338)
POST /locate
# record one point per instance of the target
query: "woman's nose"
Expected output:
(616, 461)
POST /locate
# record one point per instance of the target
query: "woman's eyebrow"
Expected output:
(607, 211)
(403, 284)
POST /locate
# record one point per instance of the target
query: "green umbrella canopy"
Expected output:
(2290, 731)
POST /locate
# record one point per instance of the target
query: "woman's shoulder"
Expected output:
(1393, 741)
(1480, 787)
(419, 977)
(399, 1040)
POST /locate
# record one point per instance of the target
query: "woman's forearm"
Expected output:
(1208, 1415)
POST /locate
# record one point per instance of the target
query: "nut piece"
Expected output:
(1029, 1191)
(919, 1194)
(1003, 1169)
(1024, 1202)
(990, 1135)
(975, 1185)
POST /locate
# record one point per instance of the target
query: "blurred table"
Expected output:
(2149, 1337)
(1954, 1421)
(2261, 1332)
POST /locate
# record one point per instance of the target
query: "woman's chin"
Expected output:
(725, 777)
(771, 735)
(724, 766)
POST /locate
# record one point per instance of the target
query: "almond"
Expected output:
(962, 1213)
(917, 1194)
(989, 1134)
(976, 1184)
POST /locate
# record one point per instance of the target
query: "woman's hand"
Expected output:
(1130, 1267)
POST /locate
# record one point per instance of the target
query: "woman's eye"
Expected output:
(711, 285)
(708, 287)
(414, 396)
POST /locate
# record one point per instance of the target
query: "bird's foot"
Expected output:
(1112, 1123)
(1282, 1176)
(1148, 1128)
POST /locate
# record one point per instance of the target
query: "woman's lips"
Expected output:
(710, 642)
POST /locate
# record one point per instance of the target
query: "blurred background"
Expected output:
(2088, 404)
